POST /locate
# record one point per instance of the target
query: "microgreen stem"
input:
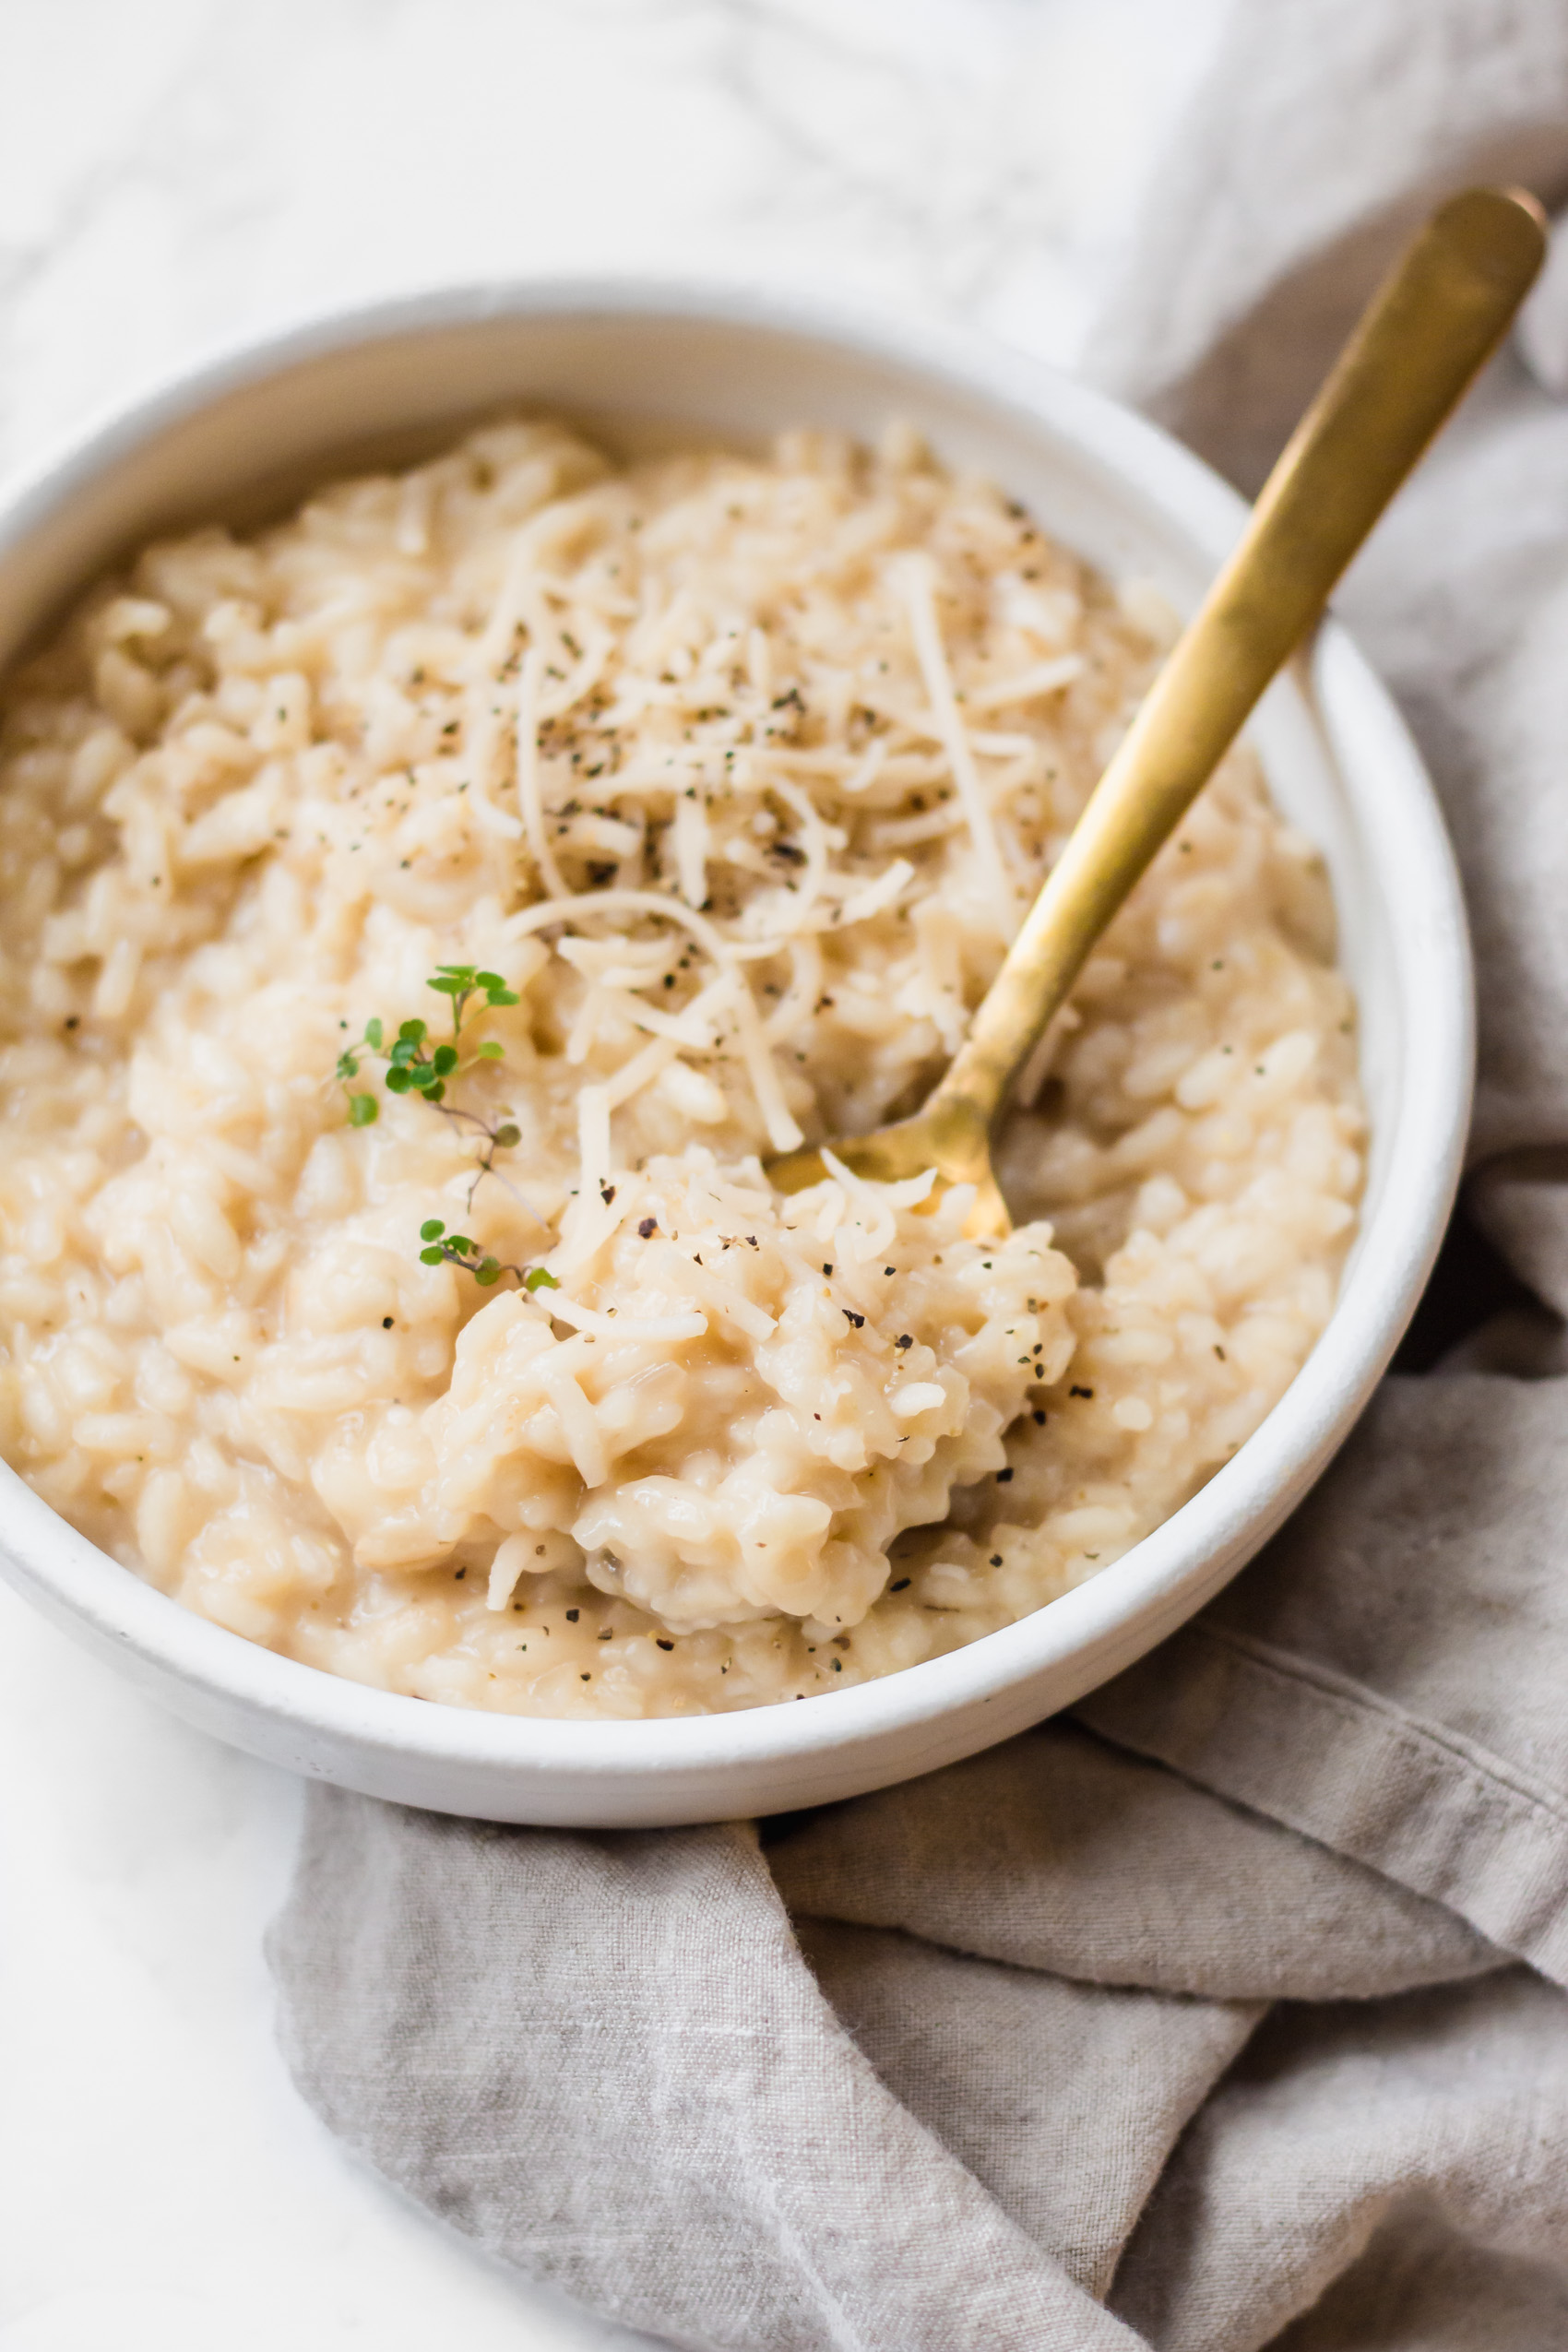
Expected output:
(457, 1249)
(417, 1064)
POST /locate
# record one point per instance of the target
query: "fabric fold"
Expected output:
(1060, 1852)
(604, 2060)
(1063, 2100)
(1374, 1678)
(1338, 2121)
(1324, 132)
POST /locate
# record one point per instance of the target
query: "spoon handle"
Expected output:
(1440, 315)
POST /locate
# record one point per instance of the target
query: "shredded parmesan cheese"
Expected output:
(528, 775)
(927, 632)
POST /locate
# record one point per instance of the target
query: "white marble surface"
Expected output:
(177, 173)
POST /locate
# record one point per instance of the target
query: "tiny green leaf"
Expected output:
(399, 1080)
(539, 1277)
(506, 1136)
(450, 987)
(347, 1066)
(462, 1242)
(502, 995)
(374, 1034)
(491, 1051)
(431, 1258)
(444, 1058)
(487, 1271)
(433, 1228)
(411, 1033)
(487, 980)
(361, 1109)
(432, 1090)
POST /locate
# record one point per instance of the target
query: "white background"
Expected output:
(176, 173)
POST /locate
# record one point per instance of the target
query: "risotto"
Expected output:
(422, 919)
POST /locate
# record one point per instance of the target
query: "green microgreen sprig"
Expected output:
(418, 1064)
(457, 1249)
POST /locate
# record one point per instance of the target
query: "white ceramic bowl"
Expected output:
(237, 438)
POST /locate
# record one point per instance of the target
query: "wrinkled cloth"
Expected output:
(1230, 2013)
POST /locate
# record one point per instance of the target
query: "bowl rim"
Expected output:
(1167, 1574)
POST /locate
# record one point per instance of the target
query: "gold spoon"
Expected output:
(1442, 313)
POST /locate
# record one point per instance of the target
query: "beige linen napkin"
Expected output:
(1229, 2014)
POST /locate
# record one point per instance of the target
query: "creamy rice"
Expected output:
(710, 789)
